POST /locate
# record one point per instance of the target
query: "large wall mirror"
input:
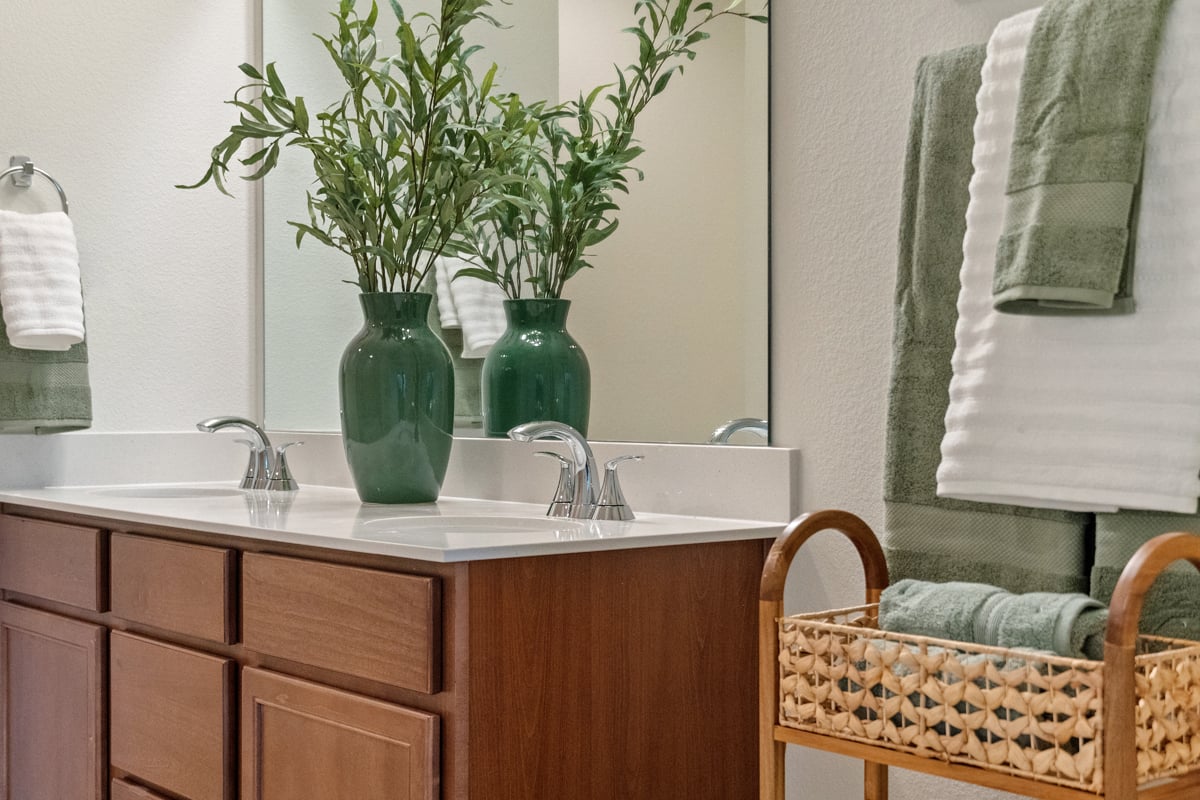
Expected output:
(674, 316)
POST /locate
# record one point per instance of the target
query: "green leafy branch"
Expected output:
(538, 232)
(401, 161)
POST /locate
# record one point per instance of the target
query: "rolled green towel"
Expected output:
(937, 610)
(1066, 624)
(1077, 157)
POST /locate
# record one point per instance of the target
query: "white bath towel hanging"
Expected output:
(1085, 413)
(476, 306)
(39, 281)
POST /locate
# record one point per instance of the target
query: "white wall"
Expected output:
(120, 100)
(842, 84)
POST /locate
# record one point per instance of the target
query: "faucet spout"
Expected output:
(261, 453)
(583, 463)
(724, 431)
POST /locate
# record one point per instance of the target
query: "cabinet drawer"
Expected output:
(53, 561)
(301, 739)
(377, 625)
(121, 790)
(170, 717)
(180, 587)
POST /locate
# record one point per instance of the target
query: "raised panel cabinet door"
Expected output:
(171, 717)
(51, 707)
(304, 740)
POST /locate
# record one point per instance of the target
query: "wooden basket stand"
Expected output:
(1125, 728)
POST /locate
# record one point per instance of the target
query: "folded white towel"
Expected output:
(39, 281)
(472, 304)
(1084, 413)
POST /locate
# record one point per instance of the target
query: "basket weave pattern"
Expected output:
(1024, 714)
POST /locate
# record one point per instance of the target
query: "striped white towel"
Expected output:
(39, 281)
(472, 304)
(1085, 413)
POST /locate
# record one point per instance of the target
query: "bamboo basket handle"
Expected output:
(1120, 649)
(1137, 578)
(770, 608)
(804, 528)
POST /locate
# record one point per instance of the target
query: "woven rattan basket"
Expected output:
(1036, 724)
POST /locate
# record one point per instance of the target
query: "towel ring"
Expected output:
(29, 169)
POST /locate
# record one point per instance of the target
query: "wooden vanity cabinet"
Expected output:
(239, 668)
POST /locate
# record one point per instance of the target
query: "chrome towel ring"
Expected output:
(28, 170)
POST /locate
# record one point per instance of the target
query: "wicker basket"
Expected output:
(1040, 717)
(1022, 721)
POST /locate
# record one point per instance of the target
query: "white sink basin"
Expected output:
(401, 526)
(165, 492)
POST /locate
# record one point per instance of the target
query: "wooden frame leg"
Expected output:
(875, 781)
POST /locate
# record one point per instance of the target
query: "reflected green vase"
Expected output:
(535, 370)
(397, 398)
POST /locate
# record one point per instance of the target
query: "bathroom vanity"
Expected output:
(202, 644)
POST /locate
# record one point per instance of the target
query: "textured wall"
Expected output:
(842, 83)
(120, 100)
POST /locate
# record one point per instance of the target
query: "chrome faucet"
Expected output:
(583, 463)
(723, 432)
(268, 467)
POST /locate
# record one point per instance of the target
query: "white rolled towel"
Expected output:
(40, 292)
(476, 306)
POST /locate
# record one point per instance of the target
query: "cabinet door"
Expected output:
(171, 717)
(300, 739)
(51, 707)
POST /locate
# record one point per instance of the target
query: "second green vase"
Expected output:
(536, 370)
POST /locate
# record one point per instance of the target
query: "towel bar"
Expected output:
(28, 169)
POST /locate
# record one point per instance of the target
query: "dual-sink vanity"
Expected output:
(201, 642)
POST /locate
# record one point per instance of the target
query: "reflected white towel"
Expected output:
(39, 281)
(1084, 413)
(472, 304)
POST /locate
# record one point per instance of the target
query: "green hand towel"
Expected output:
(1067, 624)
(926, 537)
(1172, 606)
(938, 610)
(43, 391)
(1077, 157)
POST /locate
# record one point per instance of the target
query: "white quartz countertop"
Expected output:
(452, 529)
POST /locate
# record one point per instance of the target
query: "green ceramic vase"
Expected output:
(536, 370)
(397, 391)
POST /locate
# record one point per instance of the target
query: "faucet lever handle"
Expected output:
(612, 503)
(564, 493)
(256, 467)
(280, 478)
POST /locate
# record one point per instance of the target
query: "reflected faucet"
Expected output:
(268, 467)
(583, 463)
(752, 425)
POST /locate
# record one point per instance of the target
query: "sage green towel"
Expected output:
(43, 391)
(924, 536)
(1172, 606)
(1077, 157)
(1067, 624)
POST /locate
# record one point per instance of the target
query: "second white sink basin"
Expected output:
(398, 526)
